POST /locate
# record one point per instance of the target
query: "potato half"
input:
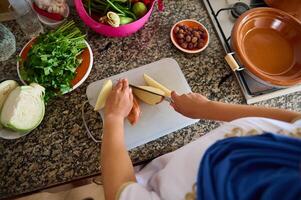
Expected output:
(147, 97)
(152, 82)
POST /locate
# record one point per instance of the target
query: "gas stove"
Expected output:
(223, 14)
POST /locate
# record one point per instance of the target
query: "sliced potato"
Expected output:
(151, 82)
(147, 97)
(103, 95)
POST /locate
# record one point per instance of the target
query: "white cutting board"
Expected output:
(155, 121)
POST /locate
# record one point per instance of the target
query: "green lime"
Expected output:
(139, 9)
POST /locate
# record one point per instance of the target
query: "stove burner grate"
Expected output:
(238, 9)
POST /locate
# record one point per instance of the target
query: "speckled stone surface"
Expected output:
(59, 150)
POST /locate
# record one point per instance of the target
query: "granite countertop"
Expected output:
(59, 150)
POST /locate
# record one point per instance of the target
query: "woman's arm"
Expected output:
(199, 107)
(116, 164)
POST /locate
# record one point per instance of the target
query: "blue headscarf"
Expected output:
(263, 167)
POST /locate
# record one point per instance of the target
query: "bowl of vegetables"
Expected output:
(115, 18)
(59, 60)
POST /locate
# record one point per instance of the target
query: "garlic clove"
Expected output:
(113, 19)
(49, 9)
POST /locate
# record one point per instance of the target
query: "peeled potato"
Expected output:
(147, 97)
(151, 82)
(103, 95)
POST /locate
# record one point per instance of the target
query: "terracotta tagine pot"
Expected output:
(267, 42)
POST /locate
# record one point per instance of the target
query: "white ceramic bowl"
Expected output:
(190, 23)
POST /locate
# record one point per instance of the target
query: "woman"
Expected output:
(179, 175)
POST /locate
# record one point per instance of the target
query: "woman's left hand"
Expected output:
(120, 101)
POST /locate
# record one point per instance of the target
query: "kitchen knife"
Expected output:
(168, 99)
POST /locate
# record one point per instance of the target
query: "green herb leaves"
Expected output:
(53, 59)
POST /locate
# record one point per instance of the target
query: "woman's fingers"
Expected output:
(175, 97)
(131, 94)
(125, 84)
(175, 107)
(122, 85)
(118, 86)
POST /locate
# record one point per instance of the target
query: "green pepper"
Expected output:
(126, 20)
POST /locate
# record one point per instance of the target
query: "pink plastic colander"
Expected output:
(121, 31)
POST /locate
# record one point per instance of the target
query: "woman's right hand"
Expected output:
(197, 106)
(189, 105)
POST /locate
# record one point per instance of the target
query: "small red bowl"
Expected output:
(192, 24)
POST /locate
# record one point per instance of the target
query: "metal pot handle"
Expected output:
(232, 62)
(86, 125)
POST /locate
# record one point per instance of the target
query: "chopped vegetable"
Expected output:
(113, 19)
(126, 20)
(24, 108)
(53, 59)
(6, 87)
(147, 97)
(151, 82)
(103, 95)
(101, 7)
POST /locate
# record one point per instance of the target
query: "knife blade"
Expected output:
(168, 99)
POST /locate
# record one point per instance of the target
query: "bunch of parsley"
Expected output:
(53, 59)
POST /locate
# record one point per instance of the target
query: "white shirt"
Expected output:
(173, 175)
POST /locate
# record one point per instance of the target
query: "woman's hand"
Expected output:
(120, 101)
(189, 105)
